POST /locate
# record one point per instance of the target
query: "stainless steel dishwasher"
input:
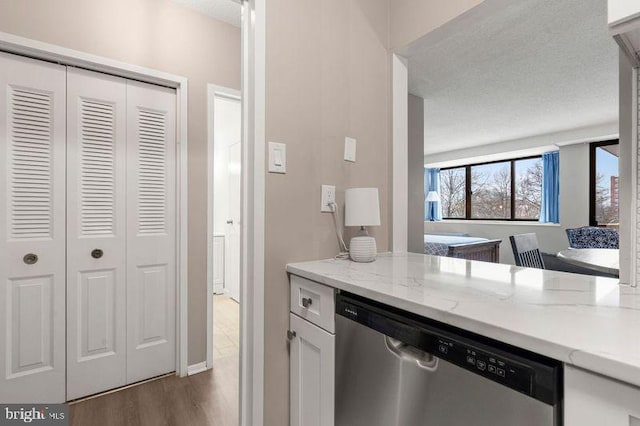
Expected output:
(394, 368)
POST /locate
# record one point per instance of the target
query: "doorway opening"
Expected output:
(224, 261)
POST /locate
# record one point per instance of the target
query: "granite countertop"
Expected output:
(589, 322)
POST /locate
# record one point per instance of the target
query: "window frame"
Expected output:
(593, 146)
(468, 193)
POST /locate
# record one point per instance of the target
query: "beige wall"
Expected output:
(328, 76)
(415, 169)
(411, 19)
(160, 35)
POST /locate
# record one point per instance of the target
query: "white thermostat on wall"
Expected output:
(350, 149)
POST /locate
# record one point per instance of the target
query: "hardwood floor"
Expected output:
(207, 398)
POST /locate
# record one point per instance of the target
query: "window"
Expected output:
(500, 190)
(453, 196)
(528, 193)
(491, 191)
(604, 176)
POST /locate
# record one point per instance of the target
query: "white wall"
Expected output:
(574, 210)
(533, 145)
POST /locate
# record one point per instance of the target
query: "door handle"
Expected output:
(307, 301)
(96, 253)
(30, 258)
(405, 352)
(230, 222)
(291, 334)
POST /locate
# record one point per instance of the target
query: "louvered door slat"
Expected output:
(97, 165)
(30, 118)
(152, 171)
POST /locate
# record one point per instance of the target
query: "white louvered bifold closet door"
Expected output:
(32, 230)
(151, 217)
(96, 232)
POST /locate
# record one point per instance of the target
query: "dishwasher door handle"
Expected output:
(405, 352)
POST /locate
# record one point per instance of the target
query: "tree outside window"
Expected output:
(453, 192)
(503, 190)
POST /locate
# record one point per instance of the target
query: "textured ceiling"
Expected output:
(223, 10)
(509, 70)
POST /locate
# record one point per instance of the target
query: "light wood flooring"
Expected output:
(207, 398)
(226, 327)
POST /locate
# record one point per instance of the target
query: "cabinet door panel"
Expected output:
(96, 188)
(151, 218)
(32, 230)
(594, 400)
(312, 374)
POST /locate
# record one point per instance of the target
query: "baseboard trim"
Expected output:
(107, 392)
(196, 368)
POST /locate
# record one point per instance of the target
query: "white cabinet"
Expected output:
(312, 347)
(314, 302)
(312, 374)
(593, 400)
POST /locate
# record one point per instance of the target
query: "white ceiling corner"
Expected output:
(511, 70)
(223, 10)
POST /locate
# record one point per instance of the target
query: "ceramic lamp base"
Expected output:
(363, 249)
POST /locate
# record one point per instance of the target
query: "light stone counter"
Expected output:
(590, 322)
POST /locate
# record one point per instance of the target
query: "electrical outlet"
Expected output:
(328, 197)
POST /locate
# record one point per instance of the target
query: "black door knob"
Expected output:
(96, 253)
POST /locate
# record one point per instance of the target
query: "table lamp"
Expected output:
(362, 208)
(432, 197)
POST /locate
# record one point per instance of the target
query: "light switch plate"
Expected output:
(277, 157)
(350, 149)
(328, 196)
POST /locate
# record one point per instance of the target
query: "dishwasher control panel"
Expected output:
(487, 364)
(518, 369)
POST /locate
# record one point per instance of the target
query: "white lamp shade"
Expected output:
(433, 196)
(361, 207)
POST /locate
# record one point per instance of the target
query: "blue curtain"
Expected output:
(550, 205)
(432, 209)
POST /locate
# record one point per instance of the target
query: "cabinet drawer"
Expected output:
(313, 302)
